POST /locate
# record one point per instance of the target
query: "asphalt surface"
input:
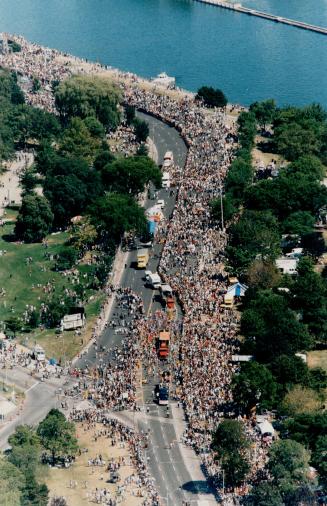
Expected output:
(165, 461)
(40, 397)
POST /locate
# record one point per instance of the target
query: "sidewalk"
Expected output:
(10, 190)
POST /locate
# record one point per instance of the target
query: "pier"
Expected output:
(237, 7)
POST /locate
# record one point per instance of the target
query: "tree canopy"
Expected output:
(230, 443)
(34, 220)
(114, 214)
(57, 435)
(211, 97)
(272, 327)
(289, 465)
(254, 385)
(86, 96)
(130, 175)
(255, 234)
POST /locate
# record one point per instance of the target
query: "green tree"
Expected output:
(306, 428)
(142, 150)
(229, 208)
(67, 258)
(254, 385)
(12, 481)
(255, 234)
(34, 493)
(295, 140)
(230, 443)
(289, 370)
(78, 142)
(239, 176)
(26, 458)
(34, 220)
(273, 327)
(129, 114)
(130, 175)
(319, 458)
(266, 494)
(57, 435)
(286, 194)
(70, 185)
(264, 112)
(103, 158)
(95, 128)
(247, 129)
(141, 130)
(262, 274)
(289, 465)
(308, 165)
(85, 96)
(115, 214)
(300, 222)
(211, 97)
(13, 324)
(309, 296)
(28, 180)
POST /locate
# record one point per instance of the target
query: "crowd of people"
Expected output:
(192, 262)
(116, 432)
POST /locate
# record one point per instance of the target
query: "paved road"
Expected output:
(166, 464)
(40, 397)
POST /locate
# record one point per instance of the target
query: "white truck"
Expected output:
(153, 279)
(168, 160)
(165, 180)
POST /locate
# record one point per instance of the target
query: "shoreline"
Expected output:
(81, 66)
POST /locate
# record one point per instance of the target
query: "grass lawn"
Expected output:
(318, 358)
(23, 283)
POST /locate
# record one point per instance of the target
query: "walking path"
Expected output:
(10, 190)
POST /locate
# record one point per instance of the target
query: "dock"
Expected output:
(237, 7)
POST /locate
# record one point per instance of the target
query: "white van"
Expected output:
(166, 180)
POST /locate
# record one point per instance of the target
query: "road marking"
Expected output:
(150, 306)
(33, 386)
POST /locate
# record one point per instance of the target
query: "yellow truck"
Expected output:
(142, 258)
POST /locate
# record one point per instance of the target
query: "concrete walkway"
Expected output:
(10, 190)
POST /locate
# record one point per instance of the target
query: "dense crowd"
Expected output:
(192, 262)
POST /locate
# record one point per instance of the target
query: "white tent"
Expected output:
(266, 428)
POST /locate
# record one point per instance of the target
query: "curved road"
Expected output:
(165, 456)
(176, 470)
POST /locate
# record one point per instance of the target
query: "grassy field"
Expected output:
(88, 478)
(22, 283)
(318, 359)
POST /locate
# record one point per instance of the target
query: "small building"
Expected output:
(287, 265)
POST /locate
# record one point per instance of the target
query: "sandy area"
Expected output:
(85, 479)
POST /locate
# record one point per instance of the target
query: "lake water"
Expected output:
(249, 58)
